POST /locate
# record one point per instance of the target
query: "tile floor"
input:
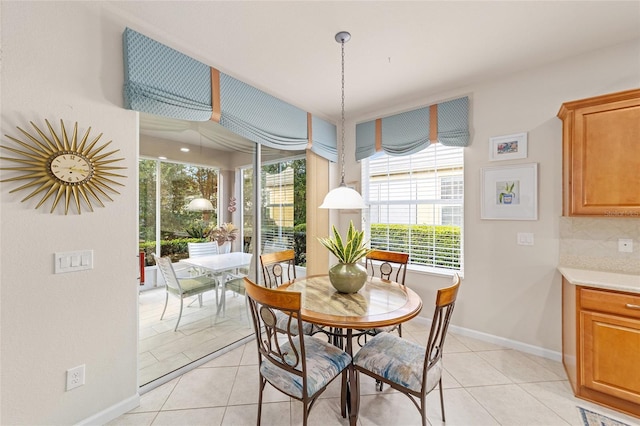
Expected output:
(201, 331)
(484, 384)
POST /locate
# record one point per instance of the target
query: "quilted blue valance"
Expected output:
(411, 131)
(162, 81)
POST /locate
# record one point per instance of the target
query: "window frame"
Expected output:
(454, 199)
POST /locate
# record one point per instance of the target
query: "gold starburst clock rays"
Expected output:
(62, 168)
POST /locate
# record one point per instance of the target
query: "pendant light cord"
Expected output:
(342, 122)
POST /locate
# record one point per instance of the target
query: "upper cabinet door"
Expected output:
(601, 155)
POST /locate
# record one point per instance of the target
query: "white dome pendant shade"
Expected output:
(343, 197)
(200, 204)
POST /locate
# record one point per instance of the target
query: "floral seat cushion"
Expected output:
(398, 361)
(324, 363)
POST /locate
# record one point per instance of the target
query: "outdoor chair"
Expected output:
(408, 367)
(297, 365)
(183, 287)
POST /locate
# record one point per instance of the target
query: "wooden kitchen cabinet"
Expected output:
(601, 155)
(601, 346)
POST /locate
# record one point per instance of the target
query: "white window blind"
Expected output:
(416, 205)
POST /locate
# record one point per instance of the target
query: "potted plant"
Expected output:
(225, 234)
(347, 276)
(506, 196)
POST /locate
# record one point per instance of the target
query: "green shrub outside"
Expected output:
(431, 245)
(176, 249)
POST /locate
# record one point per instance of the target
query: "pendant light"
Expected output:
(200, 205)
(343, 197)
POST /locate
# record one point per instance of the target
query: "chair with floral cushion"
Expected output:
(297, 365)
(410, 368)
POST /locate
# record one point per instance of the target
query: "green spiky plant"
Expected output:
(349, 250)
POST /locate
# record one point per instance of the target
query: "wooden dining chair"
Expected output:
(410, 368)
(183, 287)
(278, 268)
(297, 365)
(387, 265)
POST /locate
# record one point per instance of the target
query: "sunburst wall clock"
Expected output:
(65, 169)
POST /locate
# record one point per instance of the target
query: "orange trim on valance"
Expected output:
(379, 135)
(309, 130)
(433, 123)
(215, 95)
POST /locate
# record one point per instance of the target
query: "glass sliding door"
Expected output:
(176, 168)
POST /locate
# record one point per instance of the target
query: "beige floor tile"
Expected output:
(460, 409)
(512, 405)
(555, 366)
(387, 409)
(475, 344)
(135, 419)
(155, 398)
(228, 359)
(277, 413)
(159, 369)
(193, 417)
(325, 412)
(518, 367)
(468, 369)
(206, 387)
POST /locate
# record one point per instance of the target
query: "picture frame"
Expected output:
(509, 192)
(508, 147)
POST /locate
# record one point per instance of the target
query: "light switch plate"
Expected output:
(525, 238)
(72, 261)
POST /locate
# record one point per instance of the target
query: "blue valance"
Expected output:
(324, 139)
(162, 81)
(409, 132)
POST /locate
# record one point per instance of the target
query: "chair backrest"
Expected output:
(168, 273)
(445, 302)
(287, 354)
(388, 265)
(273, 272)
(202, 249)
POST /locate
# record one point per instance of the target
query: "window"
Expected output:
(165, 190)
(416, 206)
(283, 206)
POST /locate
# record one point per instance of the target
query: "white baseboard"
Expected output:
(113, 412)
(497, 340)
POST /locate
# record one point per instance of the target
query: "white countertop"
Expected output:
(601, 279)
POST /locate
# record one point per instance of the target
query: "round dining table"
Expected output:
(379, 303)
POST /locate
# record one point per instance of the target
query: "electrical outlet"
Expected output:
(75, 377)
(625, 245)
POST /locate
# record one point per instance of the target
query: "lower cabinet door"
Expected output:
(611, 355)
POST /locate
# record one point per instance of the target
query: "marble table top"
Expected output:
(379, 303)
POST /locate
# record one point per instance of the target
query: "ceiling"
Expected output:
(399, 51)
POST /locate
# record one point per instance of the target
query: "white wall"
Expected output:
(64, 61)
(510, 291)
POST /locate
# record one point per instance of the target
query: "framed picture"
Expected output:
(508, 147)
(509, 192)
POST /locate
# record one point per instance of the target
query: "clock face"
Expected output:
(71, 168)
(67, 169)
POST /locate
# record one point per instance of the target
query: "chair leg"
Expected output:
(263, 382)
(166, 300)
(200, 299)
(343, 396)
(179, 315)
(441, 399)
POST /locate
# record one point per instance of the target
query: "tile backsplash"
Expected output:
(592, 243)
